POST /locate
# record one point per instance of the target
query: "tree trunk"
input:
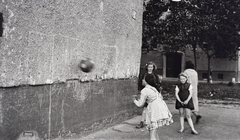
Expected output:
(209, 60)
(195, 56)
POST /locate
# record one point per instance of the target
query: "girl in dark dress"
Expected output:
(183, 93)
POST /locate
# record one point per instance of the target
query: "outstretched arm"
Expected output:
(142, 100)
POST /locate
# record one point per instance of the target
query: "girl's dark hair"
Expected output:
(150, 79)
(151, 63)
(189, 65)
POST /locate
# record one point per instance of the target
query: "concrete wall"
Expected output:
(58, 109)
(43, 41)
(42, 87)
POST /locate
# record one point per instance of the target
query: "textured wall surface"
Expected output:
(43, 41)
(41, 86)
(57, 109)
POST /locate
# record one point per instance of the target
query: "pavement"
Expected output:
(220, 121)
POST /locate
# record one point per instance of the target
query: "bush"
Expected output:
(218, 91)
(230, 84)
(207, 91)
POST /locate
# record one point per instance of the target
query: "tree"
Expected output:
(170, 24)
(210, 24)
(219, 37)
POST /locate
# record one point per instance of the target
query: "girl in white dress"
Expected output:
(157, 112)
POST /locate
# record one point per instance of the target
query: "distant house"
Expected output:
(171, 64)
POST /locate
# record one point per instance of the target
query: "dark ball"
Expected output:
(86, 65)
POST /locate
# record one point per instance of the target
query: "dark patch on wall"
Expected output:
(73, 106)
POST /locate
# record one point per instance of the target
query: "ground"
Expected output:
(220, 120)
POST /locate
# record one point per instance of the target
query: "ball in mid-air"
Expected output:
(86, 65)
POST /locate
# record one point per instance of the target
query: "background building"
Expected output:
(171, 64)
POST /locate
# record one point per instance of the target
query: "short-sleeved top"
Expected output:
(157, 111)
(183, 93)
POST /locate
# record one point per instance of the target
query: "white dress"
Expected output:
(193, 80)
(157, 112)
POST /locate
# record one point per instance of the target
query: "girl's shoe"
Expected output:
(181, 130)
(194, 132)
(198, 118)
(141, 125)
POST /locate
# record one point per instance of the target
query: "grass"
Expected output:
(221, 91)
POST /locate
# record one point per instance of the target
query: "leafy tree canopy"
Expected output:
(176, 24)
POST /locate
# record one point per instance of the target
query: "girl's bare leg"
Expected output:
(141, 125)
(153, 134)
(181, 112)
(157, 137)
(143, 114)
(198, 117)
(190, 122)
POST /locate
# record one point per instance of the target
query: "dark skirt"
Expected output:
(189, 105)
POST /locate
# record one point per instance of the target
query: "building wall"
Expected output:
(58, 109)
(43, 41)
(226, 68)
(42, 87)
(222, 69)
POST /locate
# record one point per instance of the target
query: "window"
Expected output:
(204, 75)
(220, 76)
